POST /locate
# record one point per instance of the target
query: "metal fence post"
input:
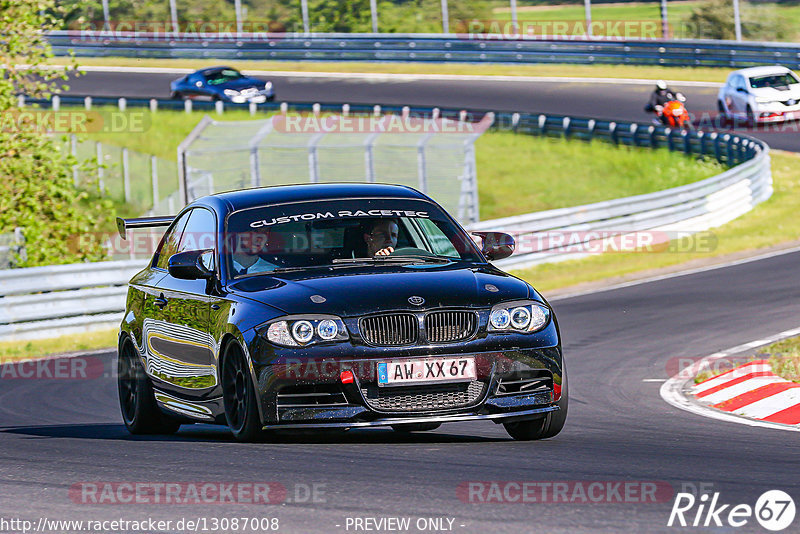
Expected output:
(87, 103)
(126, 175)
(653, 138)
(445, 18)
(369, 160)
(565, 124)
(304, 12)
(373, 8)
(73, 148)
(687, 143)
(99, 155)
(154, 179)
(55, 102)
(313, 160)
(422, 171)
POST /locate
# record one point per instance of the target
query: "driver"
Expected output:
(380, 235)
(659, 97)
(246, 257)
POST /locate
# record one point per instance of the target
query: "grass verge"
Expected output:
(700, 74)
(770, 223)
(11, 351)
(784, 357)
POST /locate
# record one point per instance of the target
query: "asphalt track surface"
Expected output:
(58, 433)
(615, 101)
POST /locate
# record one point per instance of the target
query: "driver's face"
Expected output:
(384, 234)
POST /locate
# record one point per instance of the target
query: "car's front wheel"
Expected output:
(239, 396)
(140, 413)
(544, 427)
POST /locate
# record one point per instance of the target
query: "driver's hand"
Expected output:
(385, 251)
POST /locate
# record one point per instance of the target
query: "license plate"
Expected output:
(403, 372)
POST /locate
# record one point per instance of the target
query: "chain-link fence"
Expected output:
(432, 154)
(145, 184)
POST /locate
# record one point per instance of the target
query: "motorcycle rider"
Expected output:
(659, 97)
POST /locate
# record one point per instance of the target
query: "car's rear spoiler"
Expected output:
(142, 222)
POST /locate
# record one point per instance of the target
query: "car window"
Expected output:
(324, 233)
(170, 241)
(222, 76)
(200, 232)
(773, 80)
(437, 239)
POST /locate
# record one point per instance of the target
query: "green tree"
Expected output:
(714, 20)
(36, 189)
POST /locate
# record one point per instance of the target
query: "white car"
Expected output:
(761, 94)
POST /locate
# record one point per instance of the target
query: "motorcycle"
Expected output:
(673, 114)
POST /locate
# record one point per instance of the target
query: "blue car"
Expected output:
(222, 83)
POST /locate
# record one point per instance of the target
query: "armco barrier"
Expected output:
(58, 299)
(425, 47)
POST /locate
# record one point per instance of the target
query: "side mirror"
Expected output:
(496, 245)
(192, 265)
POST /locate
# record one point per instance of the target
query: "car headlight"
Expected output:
(518, 317)
(268, 86)
(231, 92)
(764, 100)
(300, 331)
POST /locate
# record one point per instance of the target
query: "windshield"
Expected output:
(773, 80)
(222, 76)
(341, 232)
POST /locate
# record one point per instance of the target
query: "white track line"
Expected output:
(672, 390)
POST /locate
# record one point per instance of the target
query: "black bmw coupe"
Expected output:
(334, 306)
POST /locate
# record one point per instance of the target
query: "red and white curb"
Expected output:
(749, 394)
(752, 390)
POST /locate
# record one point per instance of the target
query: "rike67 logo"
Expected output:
(774, 510)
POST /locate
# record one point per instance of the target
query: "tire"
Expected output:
(177, 96)
(140, 413)
(722, 114)
(751, 117)
(544, 427)
(239, 396)
(415, 427)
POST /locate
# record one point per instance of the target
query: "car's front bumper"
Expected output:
(359, 404)
(776, 112)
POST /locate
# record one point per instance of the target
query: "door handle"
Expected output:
(161, 301)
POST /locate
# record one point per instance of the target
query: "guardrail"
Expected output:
(55, 300)
(425, 47)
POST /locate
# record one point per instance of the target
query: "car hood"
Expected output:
(785, 93)
(358, 291)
